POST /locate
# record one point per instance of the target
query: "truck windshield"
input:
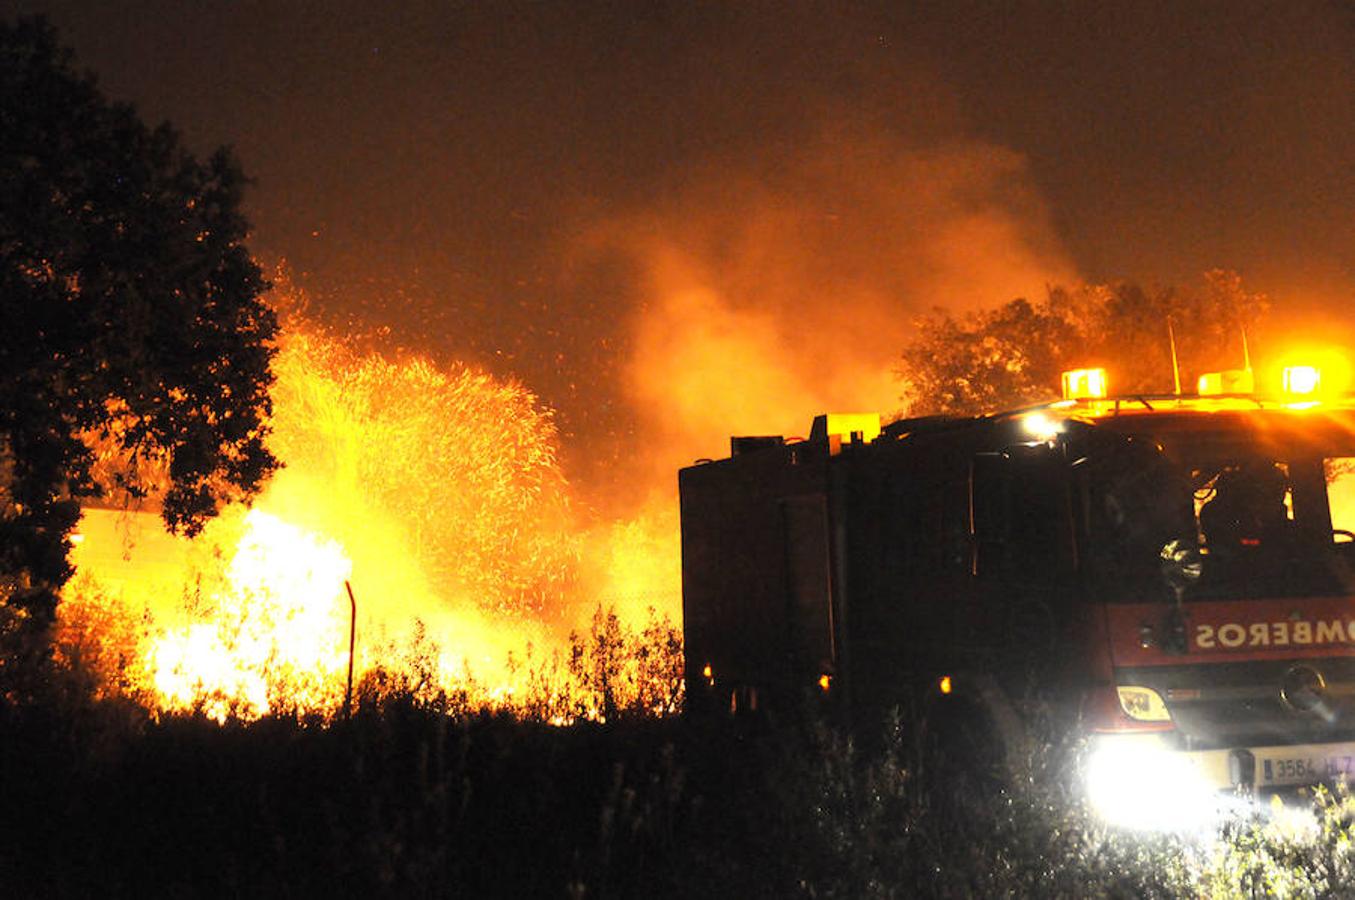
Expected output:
(1265, 527)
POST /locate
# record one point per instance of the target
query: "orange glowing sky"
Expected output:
(593, 198)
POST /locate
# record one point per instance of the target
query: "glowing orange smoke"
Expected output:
(436, 491)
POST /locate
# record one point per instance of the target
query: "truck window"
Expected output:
(1243, 502)
(1137, 502)
(1261, 523)
(1339, 474)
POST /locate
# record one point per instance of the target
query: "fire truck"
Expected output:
(1174, 575)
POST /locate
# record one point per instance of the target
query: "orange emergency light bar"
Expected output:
(1229, 381)
(1084, 384)
(1302, 381)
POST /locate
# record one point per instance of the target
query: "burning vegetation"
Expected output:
(435, 493)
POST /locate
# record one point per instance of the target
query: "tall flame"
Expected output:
(434, 490)
(276, 622)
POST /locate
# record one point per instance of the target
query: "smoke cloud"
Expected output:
(761, 302)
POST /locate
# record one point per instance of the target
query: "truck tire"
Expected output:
(973, 735)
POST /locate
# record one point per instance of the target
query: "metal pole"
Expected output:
(1176, 366)
(352, 636)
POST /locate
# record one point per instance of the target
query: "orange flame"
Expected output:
(436, 491)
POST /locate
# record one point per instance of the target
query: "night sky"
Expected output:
(640, 208)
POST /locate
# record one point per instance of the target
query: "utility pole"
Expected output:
(352, 637)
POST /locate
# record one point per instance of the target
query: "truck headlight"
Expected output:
(1138, 781)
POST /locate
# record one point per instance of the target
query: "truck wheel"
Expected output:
(961, 737)
(968, 743)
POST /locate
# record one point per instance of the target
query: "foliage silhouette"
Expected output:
(134, 344)
(1012, 355)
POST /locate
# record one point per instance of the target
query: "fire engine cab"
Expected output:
(1174, 574)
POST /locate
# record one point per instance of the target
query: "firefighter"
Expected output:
(1245, 523)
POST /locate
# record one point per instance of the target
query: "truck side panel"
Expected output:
(906, 566)
(755, 572)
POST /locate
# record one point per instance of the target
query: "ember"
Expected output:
(435, 490)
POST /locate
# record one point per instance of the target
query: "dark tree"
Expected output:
(134, 345)
(1013, 355)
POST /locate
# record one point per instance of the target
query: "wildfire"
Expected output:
(277, 616)
(436, 492)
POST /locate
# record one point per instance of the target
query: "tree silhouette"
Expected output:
(1012, 355)
(130, 323)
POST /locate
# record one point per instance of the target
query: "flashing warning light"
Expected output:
(944, 685)
(1302, 381)
(1084, 384)
(1042, 427)
(825, 681)
(1229, 381)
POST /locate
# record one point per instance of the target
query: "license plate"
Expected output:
(1305, 769)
